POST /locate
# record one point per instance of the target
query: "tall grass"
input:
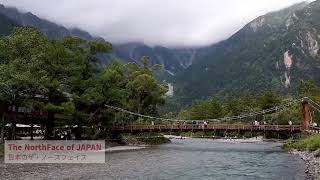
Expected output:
(308, 143)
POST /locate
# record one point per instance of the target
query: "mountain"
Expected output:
(173, 60)
(274, 51)
(7, 25)
(51, 29)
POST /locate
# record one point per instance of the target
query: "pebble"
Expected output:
(312, 161)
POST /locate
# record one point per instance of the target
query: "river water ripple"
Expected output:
(181, 159)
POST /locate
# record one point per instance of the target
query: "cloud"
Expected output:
(154, 22)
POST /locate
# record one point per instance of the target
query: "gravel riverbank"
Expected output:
(312, 160)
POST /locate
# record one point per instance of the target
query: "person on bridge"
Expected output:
(290, 123)
(184, 124)
(205, 124)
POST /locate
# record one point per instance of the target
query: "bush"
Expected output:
(144, 138)
(308, 143)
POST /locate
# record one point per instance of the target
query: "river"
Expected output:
(181, 159)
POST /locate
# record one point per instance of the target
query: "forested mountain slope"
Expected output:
(274, 51)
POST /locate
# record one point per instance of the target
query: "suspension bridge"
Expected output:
(176, 125)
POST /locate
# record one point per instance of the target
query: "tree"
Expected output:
(237, 106)
(309, 88)
(55, 70)
(145, 94)
(108, 87)
(69, 67)
(268, 100)
(19, 51)
(208, 109)
(64, 77)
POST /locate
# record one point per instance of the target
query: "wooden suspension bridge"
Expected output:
(178, 126)
(134, 128)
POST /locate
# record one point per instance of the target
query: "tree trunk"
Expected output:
(2, 129)
(31, 130)
(49, 126)
(14, 122)
(13, 135)
(2, 135)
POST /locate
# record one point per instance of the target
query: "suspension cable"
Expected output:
(241, 116)
(312, 103)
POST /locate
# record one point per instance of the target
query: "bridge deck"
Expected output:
(209, 127)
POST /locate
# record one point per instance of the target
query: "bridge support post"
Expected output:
(306, 115)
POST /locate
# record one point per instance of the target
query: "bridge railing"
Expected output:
(160, 127)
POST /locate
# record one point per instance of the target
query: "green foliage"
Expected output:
(68, 107)
(145, 138)
(268, 100)
(309, 88)
(283, 117)
(98, 47)
(22, 52)
(61, 76)
(213, 109)
(209, 109)
(144, 92)
(38, 67)
(52, 108)
(308, 143)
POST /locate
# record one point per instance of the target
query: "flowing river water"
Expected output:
(181, 159)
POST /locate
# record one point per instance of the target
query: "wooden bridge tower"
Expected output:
(306, 114)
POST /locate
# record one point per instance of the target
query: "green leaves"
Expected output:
(234, 106)
(308, 88)
(268, 100)
(99, 47)
(52, 108)
(145, 93)
(68, 107)
(208, 109)
(61, 77)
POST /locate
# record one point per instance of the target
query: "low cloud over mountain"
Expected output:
(158, 22)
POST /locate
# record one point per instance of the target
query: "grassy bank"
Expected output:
(144, 138)
(306, 143)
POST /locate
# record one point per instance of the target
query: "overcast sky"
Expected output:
(154, 22)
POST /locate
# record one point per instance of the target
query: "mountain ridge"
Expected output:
(265, 54)
(174, 60)
(274, 51)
